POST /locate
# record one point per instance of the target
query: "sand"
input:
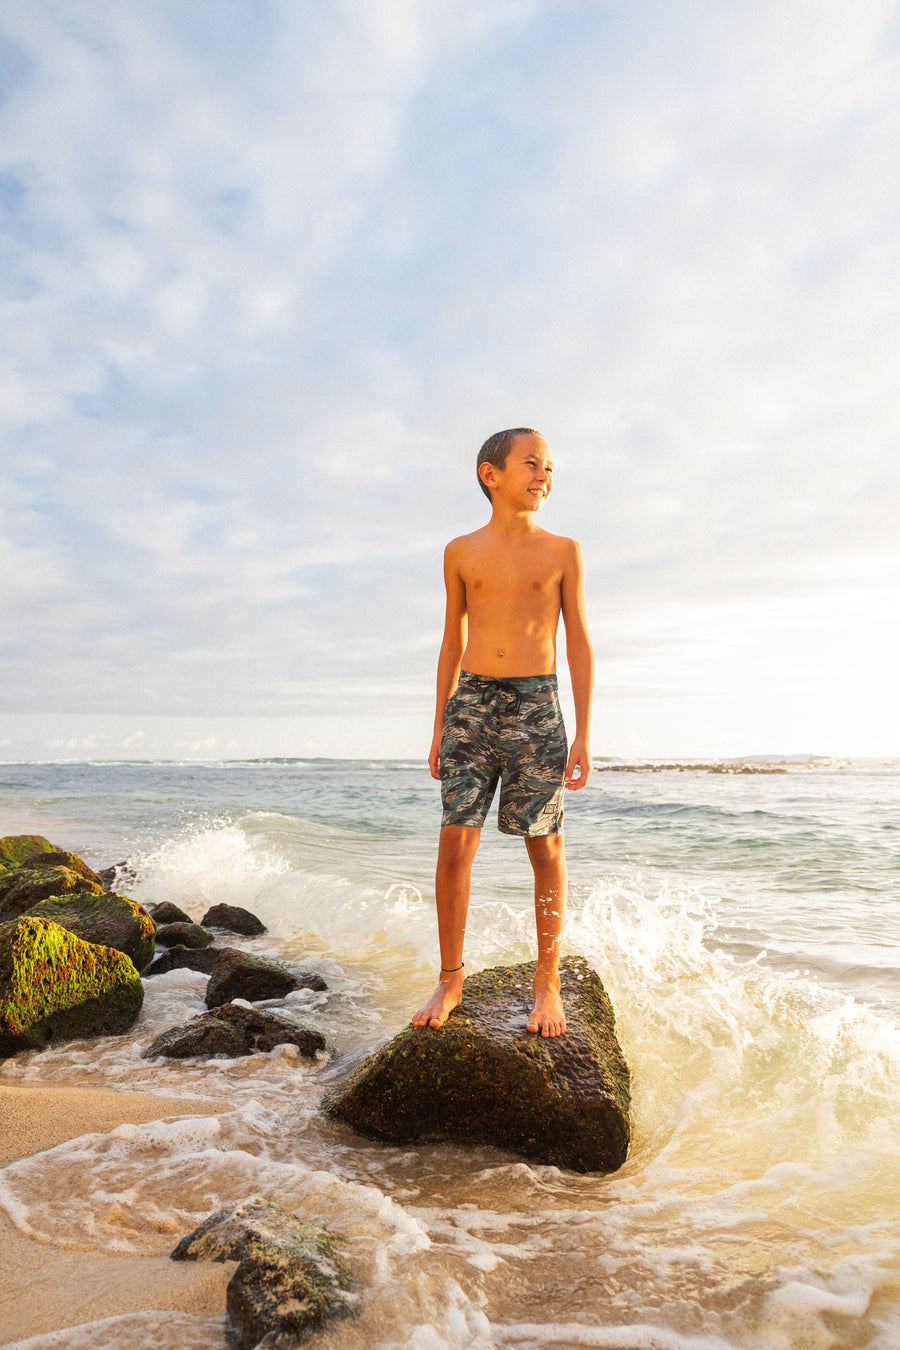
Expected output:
(46, 1288)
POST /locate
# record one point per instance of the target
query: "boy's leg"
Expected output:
(548, 859)
(456, 853)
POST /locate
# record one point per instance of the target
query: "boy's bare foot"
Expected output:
(548, 1017)
(445, 998)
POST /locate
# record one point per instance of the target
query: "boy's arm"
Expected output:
(452, 648)
(580, 656)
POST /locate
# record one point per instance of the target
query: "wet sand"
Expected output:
(46, 1288)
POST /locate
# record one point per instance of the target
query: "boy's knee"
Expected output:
(458, 844)
(545, 848)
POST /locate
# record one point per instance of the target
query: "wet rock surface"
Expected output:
(108, 919)
(291, 1279)
(233, 1030)
(166, 912)
(55, 987)
(233, 919)
(239, 974)
(483, 1079)
(183, 935)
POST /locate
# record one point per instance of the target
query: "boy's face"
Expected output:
(527, 476)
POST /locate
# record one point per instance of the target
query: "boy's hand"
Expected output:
(578, 769)
(434, 757)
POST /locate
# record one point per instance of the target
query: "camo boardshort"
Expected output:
(508, 731)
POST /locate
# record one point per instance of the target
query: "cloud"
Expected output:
(274, 271)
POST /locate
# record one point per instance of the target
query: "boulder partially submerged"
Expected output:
(202, 959)
(291, 1279)
(110, 920)
(234, 919)
(238, 974)
(482, 1078)
(53, 986)
(233, 1030)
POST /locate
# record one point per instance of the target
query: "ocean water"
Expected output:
(746, 928)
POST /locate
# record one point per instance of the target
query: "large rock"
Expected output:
(230, 1031)
(109, 920)
(239, 974)
(53, 986)
(483, 1079)
(183, 935)
(234, 919)
(291, 1279)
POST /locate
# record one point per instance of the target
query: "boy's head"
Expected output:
(496, 451)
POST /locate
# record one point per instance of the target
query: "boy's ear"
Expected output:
(488, 474)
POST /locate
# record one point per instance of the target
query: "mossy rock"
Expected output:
(55, 987)
(40, 877)
(482, 1078)
(15, 849)
(109, 920)
(291, 1278)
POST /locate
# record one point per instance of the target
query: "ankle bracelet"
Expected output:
(445, 970)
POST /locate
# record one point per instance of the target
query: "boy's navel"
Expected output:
(500, 653)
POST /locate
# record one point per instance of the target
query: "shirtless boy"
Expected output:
(498, 714)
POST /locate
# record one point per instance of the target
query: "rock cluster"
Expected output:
(291, 1278)
(72, 950)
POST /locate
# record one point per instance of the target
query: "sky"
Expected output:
(272, 270)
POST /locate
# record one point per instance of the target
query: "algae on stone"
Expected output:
(16, 848)
(291, 1279)
(53, 986)
(109, 920)
(482, 1078)
(22, 888)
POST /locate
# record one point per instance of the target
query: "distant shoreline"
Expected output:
(758, 765)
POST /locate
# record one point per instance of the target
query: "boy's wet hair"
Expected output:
(496, 451)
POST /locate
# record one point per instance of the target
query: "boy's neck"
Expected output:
(511, 521)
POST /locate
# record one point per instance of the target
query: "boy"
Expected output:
(497, 709)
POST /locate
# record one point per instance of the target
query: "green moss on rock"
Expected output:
(484, 1079)
(16, 848)
(108, 919)
(53, 986)
(22, 888)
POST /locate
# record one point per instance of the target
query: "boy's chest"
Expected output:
(525, 580)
